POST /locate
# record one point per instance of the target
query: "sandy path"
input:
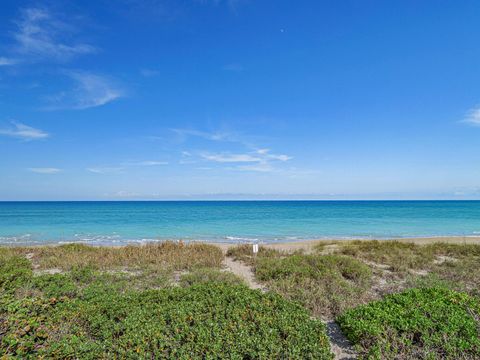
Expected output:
(243, 271)
(340, 346)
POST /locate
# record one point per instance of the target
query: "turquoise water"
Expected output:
(232, 221)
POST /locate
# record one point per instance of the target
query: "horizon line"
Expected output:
(237, 200)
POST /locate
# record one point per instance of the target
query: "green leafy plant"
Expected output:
(87, 314)
(206, 275)
(430, 323)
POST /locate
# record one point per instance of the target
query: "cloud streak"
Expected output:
(260, 156)
(45, 170)
(91, 90)
(40, 35)
(4, 61)
(230, 158)
(212, 136)
(473, 117)
(24, 132)
(258, 161)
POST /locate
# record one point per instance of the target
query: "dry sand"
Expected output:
(307, 245)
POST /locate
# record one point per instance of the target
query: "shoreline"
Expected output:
(305, 244)
(309, 244)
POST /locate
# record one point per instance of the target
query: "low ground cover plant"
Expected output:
(430, 323)
(89, 314)
(207, 275)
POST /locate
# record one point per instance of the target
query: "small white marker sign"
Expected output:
(255, 248)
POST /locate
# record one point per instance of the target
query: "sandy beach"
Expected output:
(307, 245)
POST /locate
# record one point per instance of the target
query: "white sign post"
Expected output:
(255, 249)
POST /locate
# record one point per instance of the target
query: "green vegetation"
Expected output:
(430, 320)
(90, 313)
(244, 253)
(326, 285)
(398, 256)
(454, 265)
(206, 275)
(165, 255)
(430, 323)
(172, 300)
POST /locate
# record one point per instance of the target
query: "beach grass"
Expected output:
(398, 256)
(244, 253)
(327, 285)
(164, 255)
(456, 266)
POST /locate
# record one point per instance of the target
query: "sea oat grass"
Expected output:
(399, 256)
(245, 253)
(169, 255)
(326, 284)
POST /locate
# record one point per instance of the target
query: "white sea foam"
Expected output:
(239, 239)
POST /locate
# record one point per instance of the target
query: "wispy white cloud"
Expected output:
(253, 159)
(266, 155)
(473, 117)
(4, 61)
(259, 161)
(213, 136)
(223, 134)
(45, 170)
(230, 158)
(146, 163)
(42, 35)
(259, 156)
(91, 90)
(24, 132)
(105, 170)
(280, 157)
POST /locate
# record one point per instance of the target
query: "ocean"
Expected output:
(123, 222)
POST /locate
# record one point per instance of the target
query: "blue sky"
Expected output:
(199, 99)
